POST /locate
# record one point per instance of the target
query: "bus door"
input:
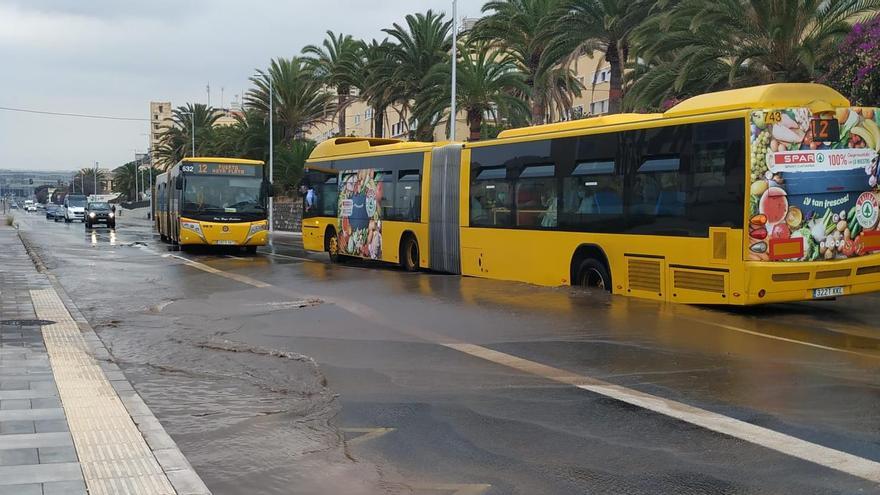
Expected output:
(443, 229)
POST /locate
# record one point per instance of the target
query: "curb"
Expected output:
(174, 464)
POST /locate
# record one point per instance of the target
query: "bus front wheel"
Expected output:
(593, 274)
(331, 245)
(409, 254)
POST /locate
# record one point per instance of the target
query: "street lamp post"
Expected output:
(96, 178)
(452, 110)
(150, 174)
(271, 153)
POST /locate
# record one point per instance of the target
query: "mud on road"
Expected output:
(250, 419)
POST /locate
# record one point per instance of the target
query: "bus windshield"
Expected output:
(223, 194)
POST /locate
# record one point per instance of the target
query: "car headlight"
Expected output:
(112, 214)
(92, 215)
(194, 226)
(257, 227)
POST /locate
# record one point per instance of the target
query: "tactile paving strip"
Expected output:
(114, 456)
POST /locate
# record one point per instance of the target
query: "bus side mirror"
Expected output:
(178, 183)
(268, 190)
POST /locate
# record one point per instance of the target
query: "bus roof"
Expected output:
(342, 146)
(758, 97)
(605, 120)
(208, 159)
(780, 95)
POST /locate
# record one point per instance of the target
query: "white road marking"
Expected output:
(368, 434)
(782, 339)
(454, 488)
(210, 269)
(289, 257)
(780, 442)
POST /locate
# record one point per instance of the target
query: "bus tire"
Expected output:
(593, 274)
(409, 253)
(331, 245)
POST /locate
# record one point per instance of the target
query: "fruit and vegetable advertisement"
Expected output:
(360, 225)
(813, 190)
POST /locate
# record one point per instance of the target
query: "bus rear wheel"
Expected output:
(409, 254)
(593, 274)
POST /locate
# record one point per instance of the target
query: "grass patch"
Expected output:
(10, 220)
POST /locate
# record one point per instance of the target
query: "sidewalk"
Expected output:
(70, 423)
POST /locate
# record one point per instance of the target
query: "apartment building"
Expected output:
(159, 112)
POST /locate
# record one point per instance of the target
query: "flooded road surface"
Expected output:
(281, 373)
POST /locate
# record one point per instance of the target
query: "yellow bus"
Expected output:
(748, 196)
(213, 201)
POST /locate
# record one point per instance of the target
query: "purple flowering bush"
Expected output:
(856, 69)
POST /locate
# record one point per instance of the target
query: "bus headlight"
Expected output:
(257, 227)
(194, 226)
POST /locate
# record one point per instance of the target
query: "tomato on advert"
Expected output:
(848, 248)
(858, 247)
(780, 231)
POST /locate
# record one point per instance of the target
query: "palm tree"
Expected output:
(421, 44)
(377, 84)
(175, 140)
(335, 63)
(486, 84)
(525, 30)
(124, 178)
(253, 132)
(289, 162)
(699, 46)
(86, 178)
(606, 26)
(300, 101)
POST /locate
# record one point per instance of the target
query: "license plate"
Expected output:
(225, 243)
(827, 292)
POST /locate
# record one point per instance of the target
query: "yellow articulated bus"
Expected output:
(213, 201)
(749, 196)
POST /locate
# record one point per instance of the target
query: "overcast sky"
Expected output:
(112, 57)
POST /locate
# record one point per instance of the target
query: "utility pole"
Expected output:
(452, 111)
(150, 172)
(271, 158)
(137, 167)
(96, 178)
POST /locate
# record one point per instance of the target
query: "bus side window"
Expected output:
(657, 189)
(591, 190)
(328, 196)
(408, 199)
(491, 198)
(717, 169)
(386, 202)
(536, 197)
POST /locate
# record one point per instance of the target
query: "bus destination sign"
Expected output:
(237, 169)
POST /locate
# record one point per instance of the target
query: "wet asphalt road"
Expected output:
(260, 367)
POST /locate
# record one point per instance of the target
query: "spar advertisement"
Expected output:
(813, 193)
(360, 225)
